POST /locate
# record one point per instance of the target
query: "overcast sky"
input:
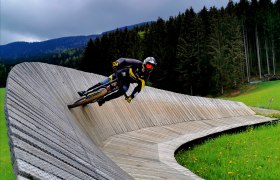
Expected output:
(38, 20)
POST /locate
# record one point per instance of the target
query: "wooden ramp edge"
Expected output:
(116, 141)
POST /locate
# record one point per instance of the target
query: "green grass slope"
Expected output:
(6, 171)
(263, 95)
(251, 154)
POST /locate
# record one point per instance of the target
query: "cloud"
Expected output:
(10, 36)
(37, 20)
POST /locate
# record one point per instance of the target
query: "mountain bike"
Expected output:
(98, 93)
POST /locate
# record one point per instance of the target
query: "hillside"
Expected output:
(11, 53)
(17, 52)
(263, 95)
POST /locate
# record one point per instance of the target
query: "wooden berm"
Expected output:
(115, 141)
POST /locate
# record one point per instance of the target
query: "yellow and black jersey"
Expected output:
(131, 71)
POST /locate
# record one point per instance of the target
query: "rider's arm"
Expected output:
(138, 88)
(125, 62)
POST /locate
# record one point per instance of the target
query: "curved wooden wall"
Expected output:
(116, 141)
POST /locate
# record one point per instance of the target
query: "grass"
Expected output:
(264, 95)
(6, 171)
(251, 154)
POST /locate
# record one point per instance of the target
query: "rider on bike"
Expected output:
(128, 71)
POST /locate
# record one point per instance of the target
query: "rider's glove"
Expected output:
(128, 99)
(115, 64)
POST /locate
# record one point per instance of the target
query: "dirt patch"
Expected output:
(241, 91)
(250, 89)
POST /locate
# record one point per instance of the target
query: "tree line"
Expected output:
(4, 70)
(68, 58)
(199, 53)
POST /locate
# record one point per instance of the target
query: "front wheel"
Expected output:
(91, 98)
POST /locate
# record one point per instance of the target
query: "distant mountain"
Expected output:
(20, 51)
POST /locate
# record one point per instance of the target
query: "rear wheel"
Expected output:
(91, 98)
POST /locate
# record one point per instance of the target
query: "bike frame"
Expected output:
(107, 86)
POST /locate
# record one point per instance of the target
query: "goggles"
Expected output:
(149, 67)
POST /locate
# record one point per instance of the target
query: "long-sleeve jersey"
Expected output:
(131, 71)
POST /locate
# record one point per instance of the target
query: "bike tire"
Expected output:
(92, 97)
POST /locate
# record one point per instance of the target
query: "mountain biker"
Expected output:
(128, 71)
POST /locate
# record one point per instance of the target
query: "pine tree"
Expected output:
(226, 54)
(88, 55)
(155, 45)
(188, 54)
(3, 75)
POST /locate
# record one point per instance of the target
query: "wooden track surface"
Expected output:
(116, 141)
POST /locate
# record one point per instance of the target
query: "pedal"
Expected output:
(81, 93)
(87, 96)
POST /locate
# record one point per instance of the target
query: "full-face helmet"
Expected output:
(149, 63)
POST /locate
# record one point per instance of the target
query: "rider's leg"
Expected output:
(117, 94)
(106, 80)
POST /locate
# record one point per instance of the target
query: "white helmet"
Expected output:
(149, 63)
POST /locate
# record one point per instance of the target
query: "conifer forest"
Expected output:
(198, 53)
